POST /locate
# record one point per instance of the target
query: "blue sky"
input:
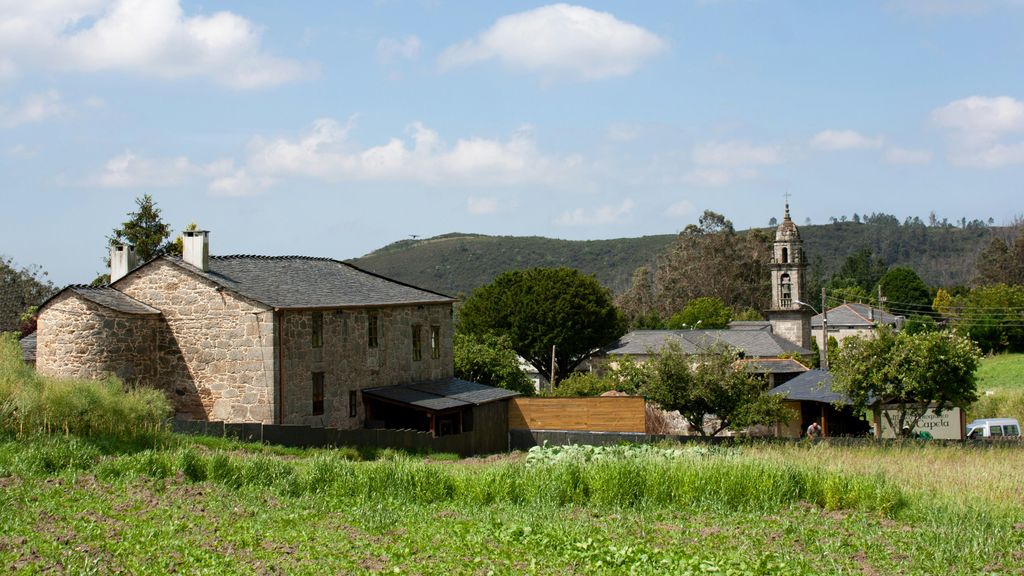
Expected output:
(334, 128)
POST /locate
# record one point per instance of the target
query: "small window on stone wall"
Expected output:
(372, 328)
(318, 329)
(435, 341)
(352, 407)
(417, 342)
(318, 393)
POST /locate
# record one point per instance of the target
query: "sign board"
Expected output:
(949, 426)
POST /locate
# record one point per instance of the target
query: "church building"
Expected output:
(790, 318)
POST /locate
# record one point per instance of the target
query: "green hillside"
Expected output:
(457, 263)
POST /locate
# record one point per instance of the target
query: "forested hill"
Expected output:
(455, 263)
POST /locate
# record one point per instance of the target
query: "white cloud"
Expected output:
(620, 132)
(239, 183)
(560, 40)
(983, 131)
(391, 50)
(595, 216)
(326, 153)
(736, 153)
(844, 140)
(896, 155)
(482, 205)
(129, 170)
(719, 164)
(34, 108)
(681, 208)
(149, 37)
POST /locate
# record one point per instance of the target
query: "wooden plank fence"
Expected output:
(600, 414)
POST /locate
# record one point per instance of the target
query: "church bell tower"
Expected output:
(789, 319)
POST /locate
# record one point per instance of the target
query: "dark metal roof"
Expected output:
(856, 315)
(753, 343)
(774, 365)
(306, 282)
(441, 394)
(108, 298)
(28, 348)
(811, 386)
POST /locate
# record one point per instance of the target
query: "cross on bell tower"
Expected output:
(788, 317)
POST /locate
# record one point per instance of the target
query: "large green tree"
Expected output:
(1002, 263)
(907, 371)
(711, 383)
(711, 259)
(144, 229)
(541, 308)
(490, 359)
(21, 288)
(905, 293)
(706, 312)
(862, 268)
(992, 316)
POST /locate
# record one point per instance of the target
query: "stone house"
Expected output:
(275, 340)
(853, 319)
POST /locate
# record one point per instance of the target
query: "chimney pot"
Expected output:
(196, 248)
(122, 261)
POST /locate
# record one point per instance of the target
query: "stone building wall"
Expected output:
(216, 349)
(77, 338)
(794, 326)
(349, 364)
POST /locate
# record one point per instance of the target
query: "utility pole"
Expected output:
(824, 331)
(551, 383)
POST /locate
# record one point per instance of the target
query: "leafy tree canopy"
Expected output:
(992, 316)
(908, 371)
(489, 359)
(861, 269)
(711, 383)
(706, 312)
(711, 259)
(21, 288)
(905, 293)
(544, 307)
(1002, 263)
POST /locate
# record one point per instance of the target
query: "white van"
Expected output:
(993, 428)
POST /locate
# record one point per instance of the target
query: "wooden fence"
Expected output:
(601, 414)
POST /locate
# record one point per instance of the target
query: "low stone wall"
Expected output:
(467, 444)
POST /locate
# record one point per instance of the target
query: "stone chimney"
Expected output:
(122, 261)
(196, 248)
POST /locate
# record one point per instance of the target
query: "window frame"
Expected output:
(317, 329)
(372, 329)
(317, 393)
(435, 342)
(417, 342)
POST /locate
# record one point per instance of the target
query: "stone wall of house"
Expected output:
(78, 338)
(794, 326)
(841, 334)
(216, 354)
(349, 364)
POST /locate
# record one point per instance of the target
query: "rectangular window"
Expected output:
(352, 408)
(318, 329)
(318, 393)
(435, 341)
(372, 328)
(417, 342)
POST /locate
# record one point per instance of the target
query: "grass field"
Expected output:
(1001, 386)
(216, 507)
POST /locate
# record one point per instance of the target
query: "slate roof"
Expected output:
(773, 365)
(307, 282)
(856, 315)
(28, 348)
(811, 386)
(753, 343)
(441, 394)
(750, 325)
(108, 298)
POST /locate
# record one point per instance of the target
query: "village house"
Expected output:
(273, 340)
(853, 319)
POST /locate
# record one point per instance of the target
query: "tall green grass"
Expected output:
(32, 404)
(722, 483)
